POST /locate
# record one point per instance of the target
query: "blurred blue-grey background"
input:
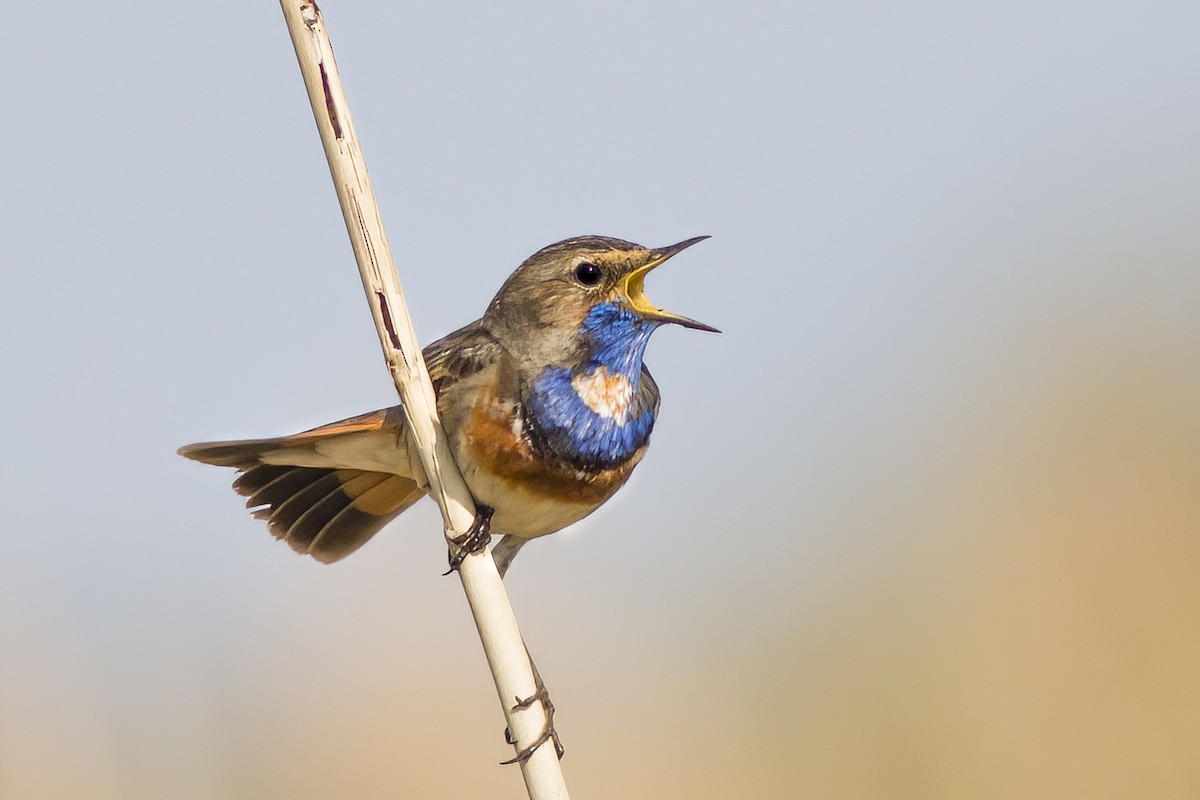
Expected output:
(923, 522)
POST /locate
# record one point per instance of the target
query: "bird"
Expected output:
(546, 400)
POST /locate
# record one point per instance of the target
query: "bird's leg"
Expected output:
(504, 552)
(474, 540)
(548, 734)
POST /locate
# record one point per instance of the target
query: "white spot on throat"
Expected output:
(605, 393)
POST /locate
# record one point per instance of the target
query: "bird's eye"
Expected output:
(588, 274)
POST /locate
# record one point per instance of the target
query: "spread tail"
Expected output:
(312, 489)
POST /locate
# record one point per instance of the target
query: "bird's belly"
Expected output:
(524, 511)
(531, 496)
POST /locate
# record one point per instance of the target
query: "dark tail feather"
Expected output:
(326, 513)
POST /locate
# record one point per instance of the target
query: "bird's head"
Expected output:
(573, 298)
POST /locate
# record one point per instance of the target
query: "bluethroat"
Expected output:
(546, 401)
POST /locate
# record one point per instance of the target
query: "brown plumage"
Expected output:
(529, 447)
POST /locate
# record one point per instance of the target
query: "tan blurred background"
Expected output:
(924, 522)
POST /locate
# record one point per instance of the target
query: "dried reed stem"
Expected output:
(502, 643)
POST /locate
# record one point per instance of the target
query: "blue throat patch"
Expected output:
(573, 428)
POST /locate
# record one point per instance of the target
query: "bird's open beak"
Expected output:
(634, 284)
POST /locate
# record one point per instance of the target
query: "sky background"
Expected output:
(923, 522)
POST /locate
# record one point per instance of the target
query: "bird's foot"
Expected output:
(474, 540)
(548, 734)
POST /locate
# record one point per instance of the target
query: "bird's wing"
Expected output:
(461, 355)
